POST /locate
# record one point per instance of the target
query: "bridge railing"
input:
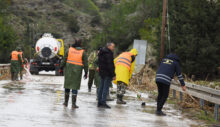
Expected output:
(201, 92)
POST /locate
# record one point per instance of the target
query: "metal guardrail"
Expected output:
(4, 65)
(201, 92)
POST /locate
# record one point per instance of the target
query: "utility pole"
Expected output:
(162, 45)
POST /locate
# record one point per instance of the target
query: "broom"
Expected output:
(139, 96)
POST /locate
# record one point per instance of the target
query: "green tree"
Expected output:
(7, 36)
(7, 39)
(195, 35)
(123, 22)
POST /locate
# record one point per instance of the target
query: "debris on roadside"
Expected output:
(144, 80)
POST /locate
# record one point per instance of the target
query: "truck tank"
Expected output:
(49, 52)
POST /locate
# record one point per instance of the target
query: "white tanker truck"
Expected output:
(48, 55)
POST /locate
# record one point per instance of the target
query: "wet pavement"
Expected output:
(37, 102)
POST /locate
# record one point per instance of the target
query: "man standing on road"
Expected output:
(21, 66)
(15, 62)
(168, 67)
(106, 71)
(92, 58)
(124, 66)
(75, 60)
(97, 78)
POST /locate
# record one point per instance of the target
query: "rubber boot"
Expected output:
(21, 76)
(66, 99)
(108, 98)
(89, 89)
(120, 99)
(16, 76)
(12, 76)
(74, 102)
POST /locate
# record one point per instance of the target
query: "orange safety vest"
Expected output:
(21, 54)
(14, 55)
(75, 56)
(125, 60)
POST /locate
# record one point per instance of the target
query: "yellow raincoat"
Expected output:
(122, 73)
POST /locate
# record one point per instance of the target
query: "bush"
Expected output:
(72, 22)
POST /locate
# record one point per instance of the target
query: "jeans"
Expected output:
(163, 93)
(74, 92)
(105, 83)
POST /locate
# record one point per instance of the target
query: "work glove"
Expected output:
(114, 78)
(97, 69)
(184, 88)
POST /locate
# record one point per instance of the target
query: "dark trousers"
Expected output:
(163, 93)
(103, 91)
(20, 72)
(14, 76)
(91, 78)
(74, 92)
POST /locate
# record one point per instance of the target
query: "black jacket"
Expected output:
(168, 67)
(106, 63)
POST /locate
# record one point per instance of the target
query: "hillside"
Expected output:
(66, 19)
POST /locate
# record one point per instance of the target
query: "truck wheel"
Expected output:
(36, 72)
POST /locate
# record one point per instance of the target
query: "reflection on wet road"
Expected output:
(37, 101)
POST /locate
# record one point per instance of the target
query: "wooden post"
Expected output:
(162, 45)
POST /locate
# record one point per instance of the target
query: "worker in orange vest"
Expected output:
(21, 66)
(124, 66)
(75, 60)
(15, 62)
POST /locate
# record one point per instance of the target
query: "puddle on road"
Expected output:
(148, 109)
(51, 90)
(14, 86)
(129, 98)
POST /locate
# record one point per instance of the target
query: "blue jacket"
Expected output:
(168, 67)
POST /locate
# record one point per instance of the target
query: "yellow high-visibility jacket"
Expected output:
(123, 74)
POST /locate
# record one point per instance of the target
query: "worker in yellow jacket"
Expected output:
(124, 66)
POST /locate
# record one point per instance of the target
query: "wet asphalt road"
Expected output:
(37, 102)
